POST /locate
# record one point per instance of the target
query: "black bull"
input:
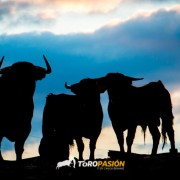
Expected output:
(17, 86)
(130, 106)
(67, 117)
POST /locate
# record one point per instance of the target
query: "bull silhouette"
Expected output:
(72, 117)
(17, 87)
(144, 106)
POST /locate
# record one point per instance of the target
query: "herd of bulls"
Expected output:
(70, 117)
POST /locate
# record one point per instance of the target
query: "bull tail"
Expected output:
(166, 113)
(167, 123)
(164, 137)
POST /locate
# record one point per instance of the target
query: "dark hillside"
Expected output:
(137, 166)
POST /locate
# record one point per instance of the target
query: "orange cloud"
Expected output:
(81, 6)
(102, 6)
(175, 8)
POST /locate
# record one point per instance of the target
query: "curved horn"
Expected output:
(3, 70)
(1, 61)
(48, 70)
(67, 86)
(134, 79)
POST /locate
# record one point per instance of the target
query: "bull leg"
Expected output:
(1, 158)
(80, 146)
(19, 144)
(130, 138)
(92, 146)
(120, 137)
(156, 137)
(19, 150)
(170, 132)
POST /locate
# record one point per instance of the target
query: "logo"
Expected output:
(67, 163)
(111, 165)
(103, 164)
(100, 164)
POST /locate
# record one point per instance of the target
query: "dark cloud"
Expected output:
(23, 14)
(5, 9)
(142, 46)
(8, 8)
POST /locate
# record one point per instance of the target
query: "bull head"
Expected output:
(46, 70)
(122, 77)
(115, 80)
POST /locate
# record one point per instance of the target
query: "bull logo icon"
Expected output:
(67, 163)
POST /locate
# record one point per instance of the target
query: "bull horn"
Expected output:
(1, 61)
(48, 70)
(134, 79)
(3, 70)
(67, 86)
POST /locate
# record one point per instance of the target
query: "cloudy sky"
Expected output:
(87, 38)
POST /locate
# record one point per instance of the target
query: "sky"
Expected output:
(87, 38)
